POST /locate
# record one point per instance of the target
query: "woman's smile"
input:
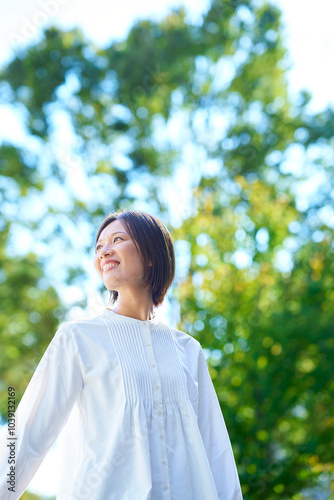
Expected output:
(109, 267)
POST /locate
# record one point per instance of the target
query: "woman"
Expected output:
(143, 421)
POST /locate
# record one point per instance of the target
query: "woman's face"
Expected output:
(115, 244)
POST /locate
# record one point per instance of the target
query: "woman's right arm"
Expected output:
(43, 411)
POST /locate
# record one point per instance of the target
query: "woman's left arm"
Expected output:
(215, 436)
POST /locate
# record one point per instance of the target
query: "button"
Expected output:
(162, 436)
(153, 365)
(165, 486)
(148, 344)
(157, 386)
(159, 412)
(164, 462)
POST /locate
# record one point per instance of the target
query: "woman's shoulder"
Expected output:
(185, 338)
(79, 329)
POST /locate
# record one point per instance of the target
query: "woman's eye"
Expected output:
(98, 246)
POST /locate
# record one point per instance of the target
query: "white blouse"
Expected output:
(143, 421)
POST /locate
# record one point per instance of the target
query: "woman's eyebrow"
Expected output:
(117, 232)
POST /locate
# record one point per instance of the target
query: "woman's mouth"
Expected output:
(109, 266)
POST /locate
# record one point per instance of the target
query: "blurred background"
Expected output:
(218, 118)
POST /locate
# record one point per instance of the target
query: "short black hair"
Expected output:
(154, 243)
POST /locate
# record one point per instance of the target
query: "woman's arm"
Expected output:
(41, 414)
(215, 436)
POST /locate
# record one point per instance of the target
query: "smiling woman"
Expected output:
(134, 396)
(142, 249)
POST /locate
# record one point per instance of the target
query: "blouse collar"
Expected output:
(128, 319)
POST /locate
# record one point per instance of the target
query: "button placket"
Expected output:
(158, 406)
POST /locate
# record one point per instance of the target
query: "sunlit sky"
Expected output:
(308, 30)
(308, 34)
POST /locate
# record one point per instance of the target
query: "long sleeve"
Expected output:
(215, 436)
(43, 411)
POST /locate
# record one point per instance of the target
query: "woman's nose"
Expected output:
(105, 251)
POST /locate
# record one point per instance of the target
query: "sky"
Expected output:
(308, 31)
(308, 36)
